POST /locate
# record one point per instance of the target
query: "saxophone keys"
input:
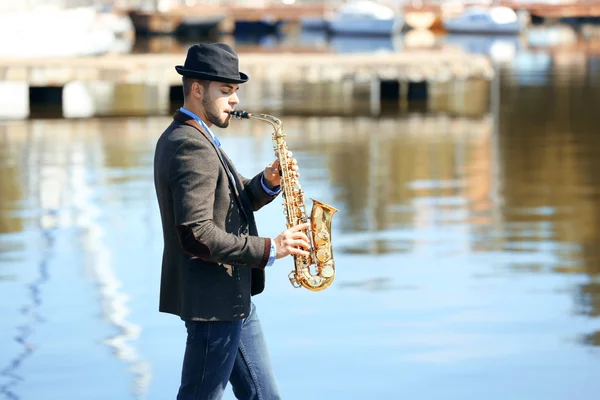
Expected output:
(323, 254)
(321, 238)
(327, 271)
(315, 281)
(304, 262)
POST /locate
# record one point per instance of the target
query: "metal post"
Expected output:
(496, 178)
(375, 93)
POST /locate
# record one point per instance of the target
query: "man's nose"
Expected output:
(234, 99)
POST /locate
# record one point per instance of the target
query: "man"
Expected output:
(213, 259)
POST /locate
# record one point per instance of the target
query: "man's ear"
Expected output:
(198, 90)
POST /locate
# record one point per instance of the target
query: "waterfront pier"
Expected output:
(144, 84)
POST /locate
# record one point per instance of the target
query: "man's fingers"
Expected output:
(274, 165)
(300, 235)
(300, 227)
(299, 252)
(299, 243)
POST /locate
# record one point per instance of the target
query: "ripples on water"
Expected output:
(466, 246)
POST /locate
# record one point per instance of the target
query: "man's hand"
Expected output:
(271, 175)
(293, 241)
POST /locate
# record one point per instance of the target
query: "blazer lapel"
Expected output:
(186, 119)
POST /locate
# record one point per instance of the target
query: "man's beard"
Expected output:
(213, 114)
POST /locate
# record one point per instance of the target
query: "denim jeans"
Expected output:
(220, 351)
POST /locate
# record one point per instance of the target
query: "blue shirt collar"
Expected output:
(202, 124)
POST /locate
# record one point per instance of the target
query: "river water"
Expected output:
(466, 246)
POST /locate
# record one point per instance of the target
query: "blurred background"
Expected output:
(457, 139)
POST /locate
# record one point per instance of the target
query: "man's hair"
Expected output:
(188, 82)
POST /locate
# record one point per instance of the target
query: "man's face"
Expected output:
(218, 100)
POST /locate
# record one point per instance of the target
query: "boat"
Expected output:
(183, 21)
(366, 18)
(502, 20)
(63, 32)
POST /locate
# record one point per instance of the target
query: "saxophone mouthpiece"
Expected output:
(241, 114)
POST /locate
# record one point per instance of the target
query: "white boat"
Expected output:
(484, 20)
(366, 18)
(63, 32)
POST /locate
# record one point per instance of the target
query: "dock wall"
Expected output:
(144, 84)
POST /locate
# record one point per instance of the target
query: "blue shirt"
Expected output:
(273, 253)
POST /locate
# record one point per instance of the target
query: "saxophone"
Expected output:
(321, 254)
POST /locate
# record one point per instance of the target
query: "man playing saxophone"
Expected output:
(213, 259)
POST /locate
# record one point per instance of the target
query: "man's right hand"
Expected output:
(293, 241)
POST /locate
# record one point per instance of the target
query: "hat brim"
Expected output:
(211, 77)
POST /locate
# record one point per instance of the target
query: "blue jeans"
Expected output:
(220, 351)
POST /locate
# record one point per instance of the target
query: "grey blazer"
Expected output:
(213, 259)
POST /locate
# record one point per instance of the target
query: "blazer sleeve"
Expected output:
(255, 192)
(193, 178)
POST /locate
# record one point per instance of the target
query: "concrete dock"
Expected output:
(141, 84)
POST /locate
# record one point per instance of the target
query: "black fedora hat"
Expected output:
(213, 62)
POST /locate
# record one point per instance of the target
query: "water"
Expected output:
(466, 249)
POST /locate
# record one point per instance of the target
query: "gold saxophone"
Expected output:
(321, 254)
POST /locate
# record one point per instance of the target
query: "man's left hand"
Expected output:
(271, 175)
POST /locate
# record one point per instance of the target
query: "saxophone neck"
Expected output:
(275, 122)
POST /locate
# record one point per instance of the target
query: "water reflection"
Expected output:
(385, 170)
(377, 284)
(540, 36)
(11, 373)
(45, 214)
(593, 339)
(62, 164)
(120, 161)
(489, 220)
(12, 192)
(351, 44)
(113, 299)
(547, 159)
(548, 150)
(528, 191)
(500, 48)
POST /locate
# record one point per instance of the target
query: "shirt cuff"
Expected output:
(272, 254)
(270, 192)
